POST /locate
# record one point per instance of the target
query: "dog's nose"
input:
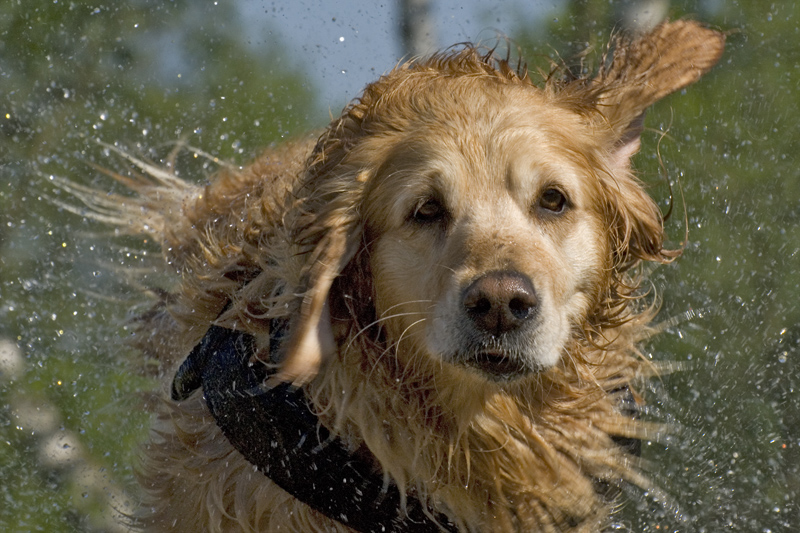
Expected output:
(500, 301)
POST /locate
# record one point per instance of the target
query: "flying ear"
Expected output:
(311, 339)
(643, 71)
(325, 231)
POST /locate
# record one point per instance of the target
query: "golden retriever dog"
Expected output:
(424, 318)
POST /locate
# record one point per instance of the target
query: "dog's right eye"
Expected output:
(428, 211)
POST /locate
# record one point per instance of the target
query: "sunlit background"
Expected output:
(230, 78)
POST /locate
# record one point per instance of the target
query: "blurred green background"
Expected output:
(150, 74)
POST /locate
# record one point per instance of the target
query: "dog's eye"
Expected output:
(428, 211)
(553, 200)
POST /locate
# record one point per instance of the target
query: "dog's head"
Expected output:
(480, 220)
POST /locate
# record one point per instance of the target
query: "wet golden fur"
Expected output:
(327, 232)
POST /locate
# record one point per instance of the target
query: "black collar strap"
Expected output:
(277, 432)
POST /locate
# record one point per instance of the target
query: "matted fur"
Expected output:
(323, 232)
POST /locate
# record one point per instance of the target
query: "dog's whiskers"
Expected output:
(405, 303)
(375, 323)
(395, 345)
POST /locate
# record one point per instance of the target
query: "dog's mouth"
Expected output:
(498, 365)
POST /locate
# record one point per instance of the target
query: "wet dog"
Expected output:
(444, 276)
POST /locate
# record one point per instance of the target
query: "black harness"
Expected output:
(276, 430)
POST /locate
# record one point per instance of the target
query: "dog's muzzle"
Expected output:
(498, 306)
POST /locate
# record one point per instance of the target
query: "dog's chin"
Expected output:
(497, 366)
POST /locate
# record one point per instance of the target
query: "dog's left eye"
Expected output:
(429, 211)
(553, 200)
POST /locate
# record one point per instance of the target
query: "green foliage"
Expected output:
(126, 67)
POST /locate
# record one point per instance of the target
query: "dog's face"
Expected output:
(498, 217)
(489, 241)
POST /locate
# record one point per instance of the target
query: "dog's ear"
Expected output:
(325, 230)
(311, 339)
(643, 71)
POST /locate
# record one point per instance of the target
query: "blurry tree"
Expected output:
(417, 28)
(146, 74)
(731, 156)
